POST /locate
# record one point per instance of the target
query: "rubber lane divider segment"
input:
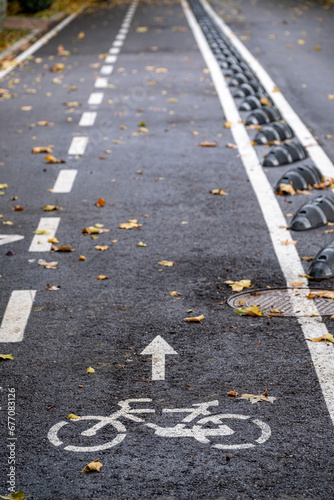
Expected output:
(314, 150)
(322, 357)
(49, 226)
(16, 315)
(42, 41)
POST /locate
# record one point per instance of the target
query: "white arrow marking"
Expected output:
(10, 238)
(158, 348)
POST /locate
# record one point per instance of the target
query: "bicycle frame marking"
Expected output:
(180, 430)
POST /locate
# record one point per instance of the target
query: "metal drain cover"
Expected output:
(278, 298)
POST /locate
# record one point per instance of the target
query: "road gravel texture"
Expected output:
(159, 105)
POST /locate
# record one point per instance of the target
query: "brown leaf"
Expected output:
(48, 265)
(231, 146)
(102, 248)
(53, 159)
(62, 248)
(42, 149)
(297, 284)
(196, 319)
(52, 288)
(81, 35)
(326, 293)
(82, 257)
(102, 277)
(45, 124)
(289, 242)
(326, 338)
(207, 144)
(100, 202)
(220, 192)
(256, 398)
(233, 393)
(307, 259)
(93, 466)
(57, 67)
(285, 189)
(17, 208)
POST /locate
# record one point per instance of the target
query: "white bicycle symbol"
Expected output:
(201, 430)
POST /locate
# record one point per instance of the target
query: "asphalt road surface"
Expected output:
(140, 113)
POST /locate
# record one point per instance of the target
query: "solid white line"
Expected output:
(16, 315)
(114, 50)
(78, 146)
(110, 59)
(42, 41)
(322, 356)
(95, 98)
(101, 83)
(118, 43)
(40, 241)
(65, 181)
(106, 70)
(87, 119)
(315, 151)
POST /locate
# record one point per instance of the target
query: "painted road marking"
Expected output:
(323, 358)
(9, 238)
(101, 83)
(40, 241)
(65, 181)
(117, 43)
(106, 70)
(95, 98)
(114, 50)
(78, 146)
(16, 315)
(314, 150)
(42, 41)
(120, 36)
(158, 348)
(124, 31)
(87, 119)
(110, 59)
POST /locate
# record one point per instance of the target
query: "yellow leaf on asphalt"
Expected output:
(102, 248)
(256, 398)
(301, 42)
(51, 208)
(3, 186)
(102, 277)
(238, 286)
(166, 263)
(17, 495)
(174, 294)
(207, 144)
(227, 124)
(53, 240)
(195, 319)
(26, 108)
(220, 192)
(53, 159)
(317, 48)
(132, 224)
(142, 29)
(172, 99)
(45, 124)
(6, 356)
(42, 231)
(42, 149)
(91, 230)
(48, 265)
(93, 466)
(90, 370)
(141, 244)
(330, 97)
(81, 35)
(71, 416)
(249, 311)
(82, 257)
(57, 67)
(326, 338)
(161, 70)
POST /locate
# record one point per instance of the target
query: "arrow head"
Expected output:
(10, 238)
(158, 346)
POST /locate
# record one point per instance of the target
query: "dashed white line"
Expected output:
(110, 59)
(101, 83)
(106, 69)
(124, 31)
(40, 243)
(87, 119)
(118, 43)
(322, 357)
(16, 315)
(65, 181)
(78, 146)
(95, 99)
(114, 50)
(120, 36)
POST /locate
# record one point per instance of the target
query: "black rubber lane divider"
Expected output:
(246, 89)
(315, 213)
(323, 264)
(240, 78)
(266, 114)
(300, 178)
(254, 102)
(289, 152)
(237, 68)
(277, 131)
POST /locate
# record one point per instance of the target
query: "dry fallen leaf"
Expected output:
(132, 224)
(62, 248)
(82, 257)
(42, 149)
(285, 189)
(52, 159)
(276, 89)
(6, 356)
(142, 29)
(53, 240)
(227, 124)
(45, 124)
(17, 208)
(100, 202)
(326, 338)
(231, 146)
(102, 277)
(326, 293)
(93, 466)
(238, 286)
(48, 265)
(174, 294)
(26, 108)
(90, 370)
(206, 144)
(220, 192)
(255, 398)
(51, 208)
(141, 244)
(57, 67)
(289, 242)
(42, 231)
(297, 284)
(81, 35)
(71, 416)
(166, 263)
(52, 288)
(195, 319)
(102, 248)
(233, 393)
(330, 97)
(307, 259)
(249, 311)
(172, 99)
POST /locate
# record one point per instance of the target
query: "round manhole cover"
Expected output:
(277, 302)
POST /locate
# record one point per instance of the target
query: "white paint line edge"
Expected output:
(42, 41)
(322, 355)
(110, 59)
(65, 181)
(101, 83)
(106, 69)
(114, 50)
(16, 315)
(40, 241)
(315, 151)
(95, 98)
(87, 119)
(118, 43)
(78, 146)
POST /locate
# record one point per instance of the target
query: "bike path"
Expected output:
(107, 324)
